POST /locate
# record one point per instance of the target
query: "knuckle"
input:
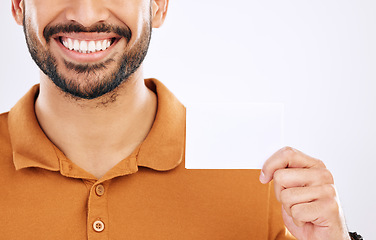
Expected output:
(320, 163)
(330, 191)
(279, 176)
(285, 196)
(333, 206)
(288, 152)
(296, 211)
(327, 176)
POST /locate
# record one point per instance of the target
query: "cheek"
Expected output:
(133, 13)
(40, 13)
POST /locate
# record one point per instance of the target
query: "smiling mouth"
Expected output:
(84, 46)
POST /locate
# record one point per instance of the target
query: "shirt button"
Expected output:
(98, 226)
(99, 190)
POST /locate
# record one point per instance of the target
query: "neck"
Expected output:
(97, 134)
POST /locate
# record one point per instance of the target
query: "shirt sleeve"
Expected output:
(277, 228)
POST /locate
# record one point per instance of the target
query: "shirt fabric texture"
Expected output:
(148, 195)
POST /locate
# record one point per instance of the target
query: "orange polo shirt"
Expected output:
(149, 195)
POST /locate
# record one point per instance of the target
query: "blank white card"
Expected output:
(232, 135)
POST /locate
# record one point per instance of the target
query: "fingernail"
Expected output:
(262, 177)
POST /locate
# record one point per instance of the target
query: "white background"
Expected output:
(316, 57)
(225, 135)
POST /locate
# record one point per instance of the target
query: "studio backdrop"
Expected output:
(317, 58)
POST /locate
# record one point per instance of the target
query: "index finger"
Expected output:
(287, 157)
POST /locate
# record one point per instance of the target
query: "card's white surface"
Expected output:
(232, 135)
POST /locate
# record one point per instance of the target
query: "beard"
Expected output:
(92, 80)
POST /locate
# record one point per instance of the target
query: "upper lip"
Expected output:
(87, 36)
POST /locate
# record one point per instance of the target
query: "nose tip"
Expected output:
(87, 12)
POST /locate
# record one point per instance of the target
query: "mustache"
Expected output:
(49, 31)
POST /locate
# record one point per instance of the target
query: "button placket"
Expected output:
(98, 211)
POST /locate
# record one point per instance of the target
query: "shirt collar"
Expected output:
(162, 150)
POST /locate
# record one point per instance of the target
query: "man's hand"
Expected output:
(305, 187)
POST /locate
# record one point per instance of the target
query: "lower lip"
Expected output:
(86, 57)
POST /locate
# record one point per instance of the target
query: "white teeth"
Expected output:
(86, 46)
(104, 45)
(83, 46)
(76, 45)
(65, 44)
(70, 44)
(98, 46)
(91, 46)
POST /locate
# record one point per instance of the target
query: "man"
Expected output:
(97, 152)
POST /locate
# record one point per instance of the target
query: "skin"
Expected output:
(305, 187)
(94, 135)
(97, 134)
